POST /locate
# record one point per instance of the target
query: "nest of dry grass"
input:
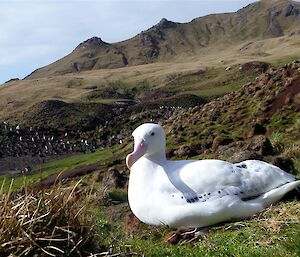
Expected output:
(46, 223)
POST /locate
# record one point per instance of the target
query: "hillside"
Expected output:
(80, 106)
(223, 86)
(203, 58)
(169, 41)
(260, 120)
(267, 105)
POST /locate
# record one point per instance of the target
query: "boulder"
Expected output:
(261, 145)
(220, 141)
(285, 164)
(243, 155)
(257, 129)
(185, 151)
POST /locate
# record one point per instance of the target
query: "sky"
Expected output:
(34, 33)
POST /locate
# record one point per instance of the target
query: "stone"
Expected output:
(261, 145)
(208, 142)
(297, 98)
(216, 143)
(243, 155)
(185, 151)
(285, 164)
(113, 179)
(220, 141)
(257, 129)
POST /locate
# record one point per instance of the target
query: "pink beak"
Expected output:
(139, 150)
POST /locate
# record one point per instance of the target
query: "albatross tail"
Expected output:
(276, 194)
(245, 209)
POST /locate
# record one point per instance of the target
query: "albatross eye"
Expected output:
(152, 134)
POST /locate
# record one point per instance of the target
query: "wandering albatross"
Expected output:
(196, 194)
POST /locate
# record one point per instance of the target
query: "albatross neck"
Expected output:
(157, 157)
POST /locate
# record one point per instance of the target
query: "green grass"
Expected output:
(216, 91)
(275, 232)
(129, 90)
(286, 60)
(47, 169)
(77, 160)
(213, 82)
(117, 196)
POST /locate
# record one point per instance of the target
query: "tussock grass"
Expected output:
(117, 196)
(46, 223)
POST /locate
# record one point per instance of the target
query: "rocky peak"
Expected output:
(92, 42)
(165, 24)
(11, 80)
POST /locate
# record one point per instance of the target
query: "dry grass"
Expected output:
(47, 223)
(16, 97)
(275, 219)
(293, 151)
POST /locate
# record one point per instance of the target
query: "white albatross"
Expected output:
(195, 194)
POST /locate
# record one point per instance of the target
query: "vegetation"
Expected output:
(91, 218)
(46, 223)
(45, 170)
(56, 223)
(211, 82)
(117, 196)
(64, 221)
(275, 232)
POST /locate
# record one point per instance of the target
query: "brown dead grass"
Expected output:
(274, 219)
(48, 223)
(17, 96)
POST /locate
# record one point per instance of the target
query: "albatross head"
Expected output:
(149, 141)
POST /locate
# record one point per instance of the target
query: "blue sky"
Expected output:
(34, 33)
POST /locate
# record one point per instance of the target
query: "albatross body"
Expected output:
(193, 194)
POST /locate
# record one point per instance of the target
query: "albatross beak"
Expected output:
(139, 150)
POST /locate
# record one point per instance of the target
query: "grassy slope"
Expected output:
(43, 171)
(275, 232)
(211, 83)
(16, 97)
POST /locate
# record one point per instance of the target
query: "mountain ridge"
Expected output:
(169, 41)
(199, 59)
